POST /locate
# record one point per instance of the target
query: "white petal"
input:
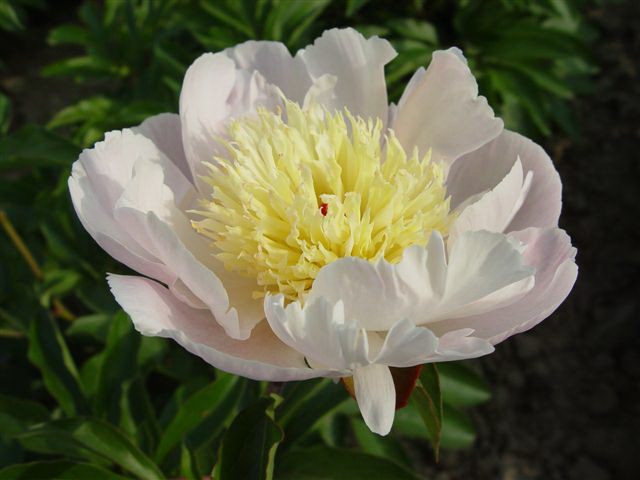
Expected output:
(165, 132)
(358, 64)
(376, 397)
(275, 64)
(407, 345)
(127, 194)
(551, 253)
(495, 210)
(484, 168)
(319, 331)
(460, 345)
(441, 110)
(485, 270)
(213, 92)
(156, 312)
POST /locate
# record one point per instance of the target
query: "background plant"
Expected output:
(81, 393)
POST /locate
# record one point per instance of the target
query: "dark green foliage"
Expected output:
(82, 394)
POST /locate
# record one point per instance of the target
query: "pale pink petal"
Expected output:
(484, 270)
(275, 64)
(494, 210)
(406, 345)
(165, 132)
(550, 252)
(156, 312)
(214, 91)
(460, 345)
(484, 168)
(319, 331)
(441, 110)
(358, 65)
(376, 397)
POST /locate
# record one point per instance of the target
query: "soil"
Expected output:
(566, 394)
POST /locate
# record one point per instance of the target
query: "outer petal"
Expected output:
(497, 208)
(275, 64)
(358, 64)
(551, 253)
(156, 312)
(319, 331)
(484, 271)
(441, 110)
(376, 397)
(484, 168)
(165, 132)
(407, 345)
(126, 193)
(213, 92)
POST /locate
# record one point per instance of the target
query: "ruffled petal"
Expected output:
(376, 397)
(550, 252)
(275, 64)
(156, 312)
(358, 65)
(486, 167)
(165, 132)
(484, 270)
(441, 110)
(127, 194)
(213, 92)
(407, 345)
(495, 210)
(319, 331)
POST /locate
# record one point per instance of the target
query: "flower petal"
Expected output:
(358, 64)
(165, 131)
(319, 331)
(484, 168)
(407, 345)
(376, 397)
(128, 194)
(551, 253)
(213, 92)
(485, 270)
(156, 312)
(441, 110)
(275, 64)
(494, 210)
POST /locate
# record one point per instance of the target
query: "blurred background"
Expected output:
(83, 392)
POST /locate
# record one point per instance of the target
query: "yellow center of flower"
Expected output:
(303, 189)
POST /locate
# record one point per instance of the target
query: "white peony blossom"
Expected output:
(289, 223)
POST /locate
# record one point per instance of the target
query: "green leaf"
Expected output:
(386, 447)
(90, 326)
(69, 34)
(354, 5)
(249, 445)
(58, 469)
(5, 113)
(461, 386)
(410, 28)
(9, 18)
(326, 397)
(33, 146)
(16, 414)
(48, 351)
(118, 365)
(318, 463)
(457, 429)
(194, 411)
(93, 440)
(427, 399)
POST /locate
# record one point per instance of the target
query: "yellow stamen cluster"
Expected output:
(266, 215)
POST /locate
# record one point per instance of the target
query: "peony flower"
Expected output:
(289, 223)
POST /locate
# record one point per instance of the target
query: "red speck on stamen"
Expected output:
(324, 207)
